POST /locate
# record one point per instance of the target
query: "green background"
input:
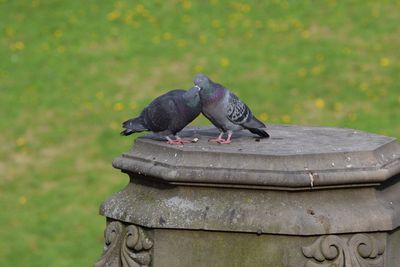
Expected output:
(72, 71)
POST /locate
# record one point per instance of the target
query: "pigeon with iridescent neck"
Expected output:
(225, 110)
(167, 115)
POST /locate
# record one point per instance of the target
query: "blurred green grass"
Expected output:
(70, 72)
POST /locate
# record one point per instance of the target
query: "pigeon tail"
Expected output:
(253, 123)
(254, 126)
(259, 132)
(133, 126)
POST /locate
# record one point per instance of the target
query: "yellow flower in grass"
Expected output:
(319, 103)
(375, 12)
(61, 49)
(305, 34)
(58, 33)
(364, 86)
(385, 62)
(302, 72)
(22, 200)
(263, 116)
(20, 141)
(140, 8)
(128, 18)
(245, 8)
(286, 119)
(10, 31)
(186, 19)
(224, 62)
(99, 95)
(186, 4)
(113, 15)
(17, 46)
(338, 107)
(114, 125)
(167, 36)
(203, 38)
(119, 106)
(216, 23)
(352, 116)
(249, 35)
(296, 24)
(317, 70)
(181, 43)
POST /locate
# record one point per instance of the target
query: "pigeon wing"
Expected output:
(159, 113)
(237, 111)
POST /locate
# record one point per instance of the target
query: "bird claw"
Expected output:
(183, 141)
(176, 142)
(224, 142)
(216, 140)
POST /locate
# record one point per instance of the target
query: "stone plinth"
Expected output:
(308, 196)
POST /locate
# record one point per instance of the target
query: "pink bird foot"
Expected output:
(175, 142)
(217, 140)
(227, 140)
(183, 141)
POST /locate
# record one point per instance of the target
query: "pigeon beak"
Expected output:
(198, 87)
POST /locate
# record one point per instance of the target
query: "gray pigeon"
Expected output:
(225, 110)
(167, 115)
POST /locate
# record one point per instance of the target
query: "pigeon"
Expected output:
(225, 110)
(167, 115)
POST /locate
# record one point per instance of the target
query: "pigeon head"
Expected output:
(201, 81)
(192, 98)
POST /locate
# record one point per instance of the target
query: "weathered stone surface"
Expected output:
(239, 183)
(219, 249)
(125, 246)
(314, 212)
(295, 157)
(308, 196)
(357, 250)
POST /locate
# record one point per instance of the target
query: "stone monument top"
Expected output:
(294, 158)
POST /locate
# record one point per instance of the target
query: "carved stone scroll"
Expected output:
(361, 250)
(125, 246)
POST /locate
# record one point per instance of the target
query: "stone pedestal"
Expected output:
(308, 196)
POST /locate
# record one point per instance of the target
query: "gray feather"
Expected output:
(237, 111)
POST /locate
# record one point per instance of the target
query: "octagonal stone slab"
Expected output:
(294, 158)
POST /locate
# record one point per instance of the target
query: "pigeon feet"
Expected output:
(225, 141)
(176, 142)
(216, 140)
(183, 141)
